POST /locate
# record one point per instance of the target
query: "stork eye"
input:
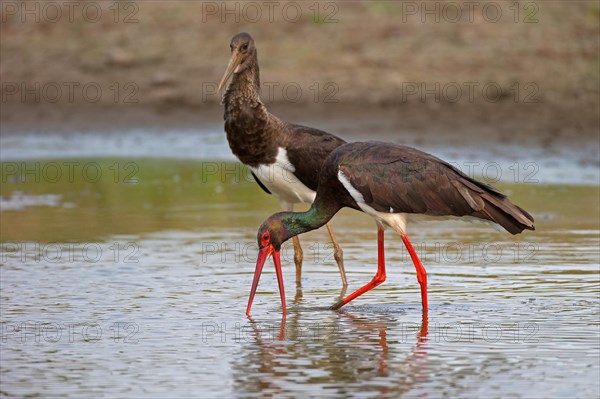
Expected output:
(245, 46)
(265, 237)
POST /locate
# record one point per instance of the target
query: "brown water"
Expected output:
(135, 285)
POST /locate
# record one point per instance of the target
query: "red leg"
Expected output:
(421, 273)
(378, 279)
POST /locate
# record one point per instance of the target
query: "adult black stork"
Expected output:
(285, 159)
(394, 184)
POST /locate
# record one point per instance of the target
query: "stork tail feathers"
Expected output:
(502, 211)
(489, 203)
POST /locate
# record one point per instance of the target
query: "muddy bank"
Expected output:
(532, 125)
(533, 65)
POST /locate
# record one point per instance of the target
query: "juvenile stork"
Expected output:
(284, 158)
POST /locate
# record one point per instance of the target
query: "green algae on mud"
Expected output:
(121, 196)
(95, 198)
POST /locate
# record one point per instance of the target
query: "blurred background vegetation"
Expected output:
(169, 55)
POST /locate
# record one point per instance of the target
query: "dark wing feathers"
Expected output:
(307, 149)
(411, 181)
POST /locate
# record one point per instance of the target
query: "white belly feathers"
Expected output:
(279, 178)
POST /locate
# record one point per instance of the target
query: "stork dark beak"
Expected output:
(263, 255)
(234, 62)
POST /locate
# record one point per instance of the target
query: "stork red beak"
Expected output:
(263, 255)
(234, 62)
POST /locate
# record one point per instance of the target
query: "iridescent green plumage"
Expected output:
(285, 225)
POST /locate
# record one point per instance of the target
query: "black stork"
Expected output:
(394, 184)
(285, 159)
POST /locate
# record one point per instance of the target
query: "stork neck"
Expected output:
(244, 86)
(301, 222)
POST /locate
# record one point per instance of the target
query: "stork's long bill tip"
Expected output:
(263, 255)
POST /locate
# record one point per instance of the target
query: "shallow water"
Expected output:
(135, 284)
